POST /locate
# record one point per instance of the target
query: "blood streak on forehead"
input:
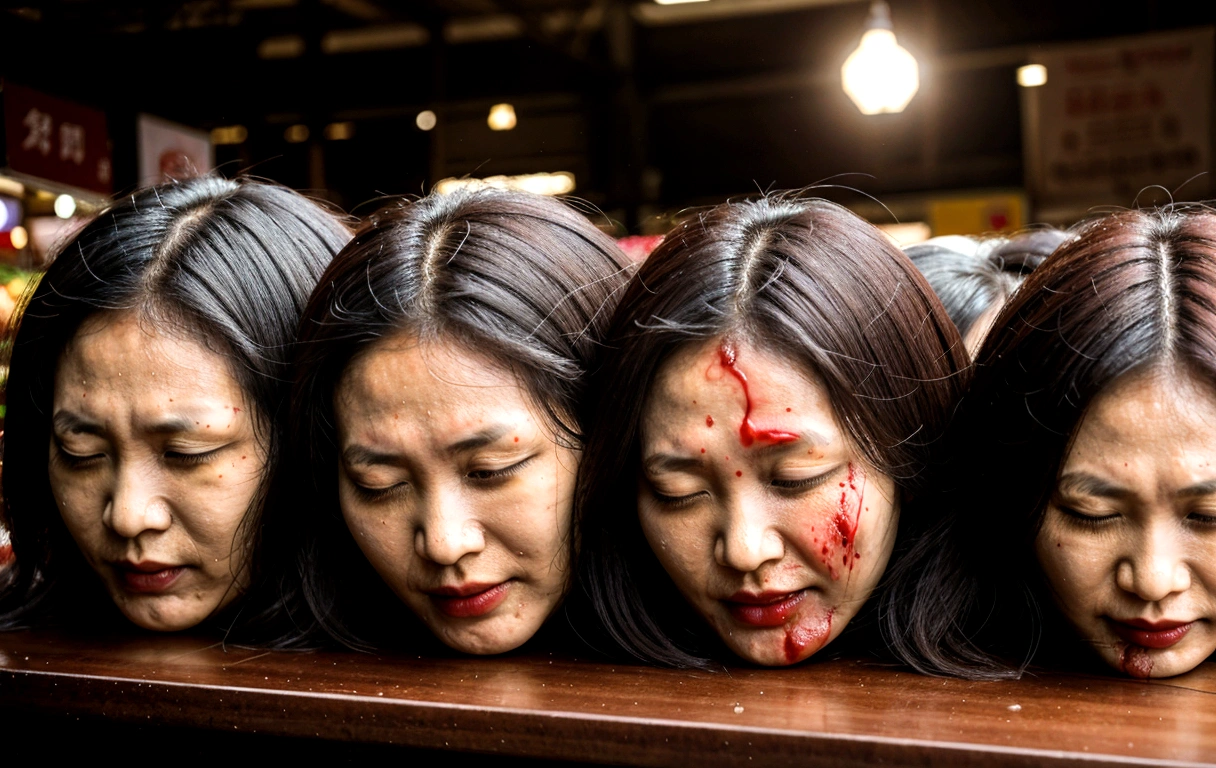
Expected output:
(748, 434)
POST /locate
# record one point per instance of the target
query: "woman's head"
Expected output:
(974, 277)
(1086, 443)
(439, 386)
(144, 392)
(777, 375)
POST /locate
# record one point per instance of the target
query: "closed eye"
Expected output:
(1084, 519)
(490, 475)
(802, 484)
(191, 459)
(373, 495)
(74, 460)
(676, 502)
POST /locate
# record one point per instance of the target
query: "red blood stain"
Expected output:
(702, 450)
(787, 410)
(739, 473)
(709, 421)
(748, 434)
(844, 524)
(800, 637)
(1136, 662)
(517, 439)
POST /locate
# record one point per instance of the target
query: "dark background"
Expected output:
(652, 108)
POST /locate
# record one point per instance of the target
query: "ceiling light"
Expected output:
(1032, 75)
(502, 117)
(880, 76)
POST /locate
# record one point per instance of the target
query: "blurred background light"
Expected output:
(65, 206)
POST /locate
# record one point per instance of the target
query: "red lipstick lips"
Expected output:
(148, 577)
(1151, 634)
(469, 600)
(764, 609)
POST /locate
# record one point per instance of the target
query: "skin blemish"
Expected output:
(1136, 662)
(748, 434)
(517, 439)
(709, 421)
(702, 450)
(788, 410)
(739, 473)
(235, 409)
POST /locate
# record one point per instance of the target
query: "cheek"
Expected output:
(1074, 563)
(683, 542)
(80, 499)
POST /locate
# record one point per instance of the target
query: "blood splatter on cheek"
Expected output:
(836, 546)
(1136, 662)
(812, 634)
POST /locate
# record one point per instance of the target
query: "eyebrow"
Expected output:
(668, 462)
(362, 455)
(478, 439)
(1205, 488)
(1080, 482)
(66, 421)
(1089, 485)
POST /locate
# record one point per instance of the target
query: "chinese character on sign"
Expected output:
(71, 142)
(39, 137)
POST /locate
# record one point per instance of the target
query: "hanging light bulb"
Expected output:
(880, 76)
(502, 117)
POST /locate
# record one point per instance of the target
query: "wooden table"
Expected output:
(828, 713)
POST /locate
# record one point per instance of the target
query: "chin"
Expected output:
(1144, 663)
(487, 640)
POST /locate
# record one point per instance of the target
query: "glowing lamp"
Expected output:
(502, 117)
(426, 120)
(880, 76)
(1032, 75)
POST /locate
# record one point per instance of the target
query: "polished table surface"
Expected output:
(835, 712)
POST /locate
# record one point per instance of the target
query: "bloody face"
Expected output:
(765, 517)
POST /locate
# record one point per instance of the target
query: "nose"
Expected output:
(136, 504)
(446, 531)
(1156, 568)
(746, 539)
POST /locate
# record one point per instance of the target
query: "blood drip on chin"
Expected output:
(1136, 662)
(748, 434)
(800, 637)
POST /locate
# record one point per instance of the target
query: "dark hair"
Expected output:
(1133, 290)
(971, 275)
(807, 280)
(231, 262)
(523, 279)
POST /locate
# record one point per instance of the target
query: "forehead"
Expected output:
(694, 379)
(408, 375)
(126, 352)
(1151, 410)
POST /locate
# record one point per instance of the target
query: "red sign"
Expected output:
(56, 140)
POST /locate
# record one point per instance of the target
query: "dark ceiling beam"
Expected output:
(536, 32)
